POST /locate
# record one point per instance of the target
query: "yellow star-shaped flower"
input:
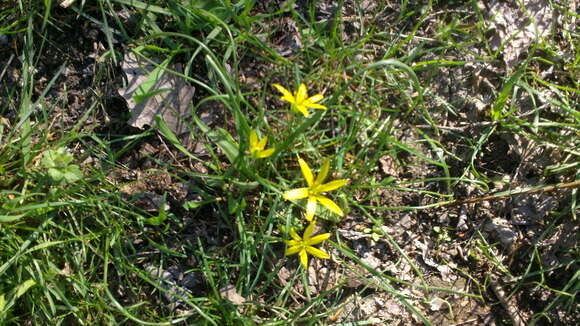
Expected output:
(315, 189)
(257, 146)
(304, 246)
(300, 100)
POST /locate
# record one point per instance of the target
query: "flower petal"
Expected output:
(308, 232)
(297, 193)
(332, 206)
(317, 252)
(253, 140)
(292, 243)
(295, 235)
(302, 93)
(332, 185)
(285, 93)
(306, 172)
(303, 258)
(310, 208)
(315, 106)
(323, 173)
(266, 153)
(315, 98)
(302, 109)
(262, 143)
(318, 239)
(292, 250)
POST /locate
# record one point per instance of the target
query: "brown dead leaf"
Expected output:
(389, 166)
(503, 231)
(229, 293)
(516, 28)
(171, 99)
(529, 209)
(66, 3)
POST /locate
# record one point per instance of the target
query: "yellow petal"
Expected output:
(315, 106)
(323, 173)
(318, 239)
(315, 98)
(310, 208)
(317, 252)
(292, 243)
(294, 236)
(253, 140)
(332, 206)
(303, 258)
(292, 250)
(298, 193)
(306, 172)
(262, 143)
(308, 232)
(266, 153)
(286, 93)
(302, 109)
(332, 185)
(302, 93)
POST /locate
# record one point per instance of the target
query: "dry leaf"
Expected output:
(229, 293)
(171, 95)
(516, 28)
(530, 209)
(66, 3)
(388, 165)
(503, 231)
(170, 282)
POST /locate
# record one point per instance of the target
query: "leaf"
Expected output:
(160, 218)
(72, 174)
(230, 293)
(516, 25)
(196, 204)
(169, 135)
(10, 218)
(221, 138)
(497, 108)
(152, 90)
(22, 288)
(55, 174)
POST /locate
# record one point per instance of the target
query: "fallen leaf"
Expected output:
(152, 91)
(503, 231)
(66, 3)
(388, 165)
(170, 282)
(529, 209)
(516, 28)
(229, 293)
(437, 304)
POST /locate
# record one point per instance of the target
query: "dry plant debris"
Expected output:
(151, 91)
(517, 26)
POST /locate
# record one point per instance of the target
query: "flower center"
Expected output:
(314, 189)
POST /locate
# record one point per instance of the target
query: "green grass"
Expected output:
(75, 251)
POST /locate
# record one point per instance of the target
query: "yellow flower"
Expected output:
(303, 246)
(300, 100)
(257, 146)
(315, 188)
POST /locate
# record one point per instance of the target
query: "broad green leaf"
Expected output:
(221, 138)
(10, 218)
(22, 288)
